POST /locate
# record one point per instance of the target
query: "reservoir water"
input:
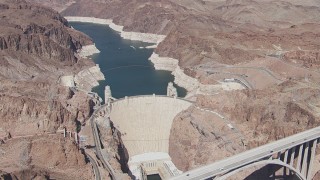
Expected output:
(125, 65)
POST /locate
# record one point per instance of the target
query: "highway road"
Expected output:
(247, 157)
(95, 167)
(240, 79)
(98, 145)
(264, 69)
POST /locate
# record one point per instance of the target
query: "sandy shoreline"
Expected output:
(87, 78)
(180, 78)
(88, 50)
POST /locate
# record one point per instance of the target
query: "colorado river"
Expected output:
(124, 64)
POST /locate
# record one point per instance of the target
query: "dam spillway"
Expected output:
(145, 122)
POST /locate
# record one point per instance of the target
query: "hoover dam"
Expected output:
(145, 124)
(145, 121)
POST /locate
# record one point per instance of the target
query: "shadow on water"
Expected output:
(125, 64)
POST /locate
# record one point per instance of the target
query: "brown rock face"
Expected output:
(33, 157)
(111, 140)
(43, 116)
(309, 59)
(37, 47)
(50, 40)
(58, 5)
(198, 138)
(266, 115)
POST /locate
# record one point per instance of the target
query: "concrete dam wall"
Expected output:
(145, 121)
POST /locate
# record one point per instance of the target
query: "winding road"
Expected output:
(95, 167)
(98, 148)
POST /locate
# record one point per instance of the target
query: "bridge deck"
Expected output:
(249, 156)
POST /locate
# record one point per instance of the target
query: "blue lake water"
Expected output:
(125, 66)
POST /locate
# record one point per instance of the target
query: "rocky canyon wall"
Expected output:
(37, 48)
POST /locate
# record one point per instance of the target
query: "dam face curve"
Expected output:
(145, 121)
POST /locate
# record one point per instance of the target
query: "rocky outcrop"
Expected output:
(26, 116)
(284, 114)
(38, 45)
(308, 59)
(35, 55)
(163, 63)
(84, 80)
(49, 157)
(88, 50)
(37, 48)
(170, 64)
(195, 136)
(88, 78)
(58, 5)
(114, 147)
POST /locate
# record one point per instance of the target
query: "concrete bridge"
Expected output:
(295, 154)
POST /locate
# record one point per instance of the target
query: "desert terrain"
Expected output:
(270, 48)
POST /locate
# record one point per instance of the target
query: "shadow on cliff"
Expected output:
(122, 151)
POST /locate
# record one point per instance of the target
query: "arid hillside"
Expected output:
(271, 47)
(37, 47)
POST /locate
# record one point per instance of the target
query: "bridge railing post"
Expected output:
(293, 152)
(299, 158)
(285, 160)
(313, 152)
(305, 160)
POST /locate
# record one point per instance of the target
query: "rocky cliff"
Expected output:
(47, 157)
(113, 146)
(34, 54)
(37, 48)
